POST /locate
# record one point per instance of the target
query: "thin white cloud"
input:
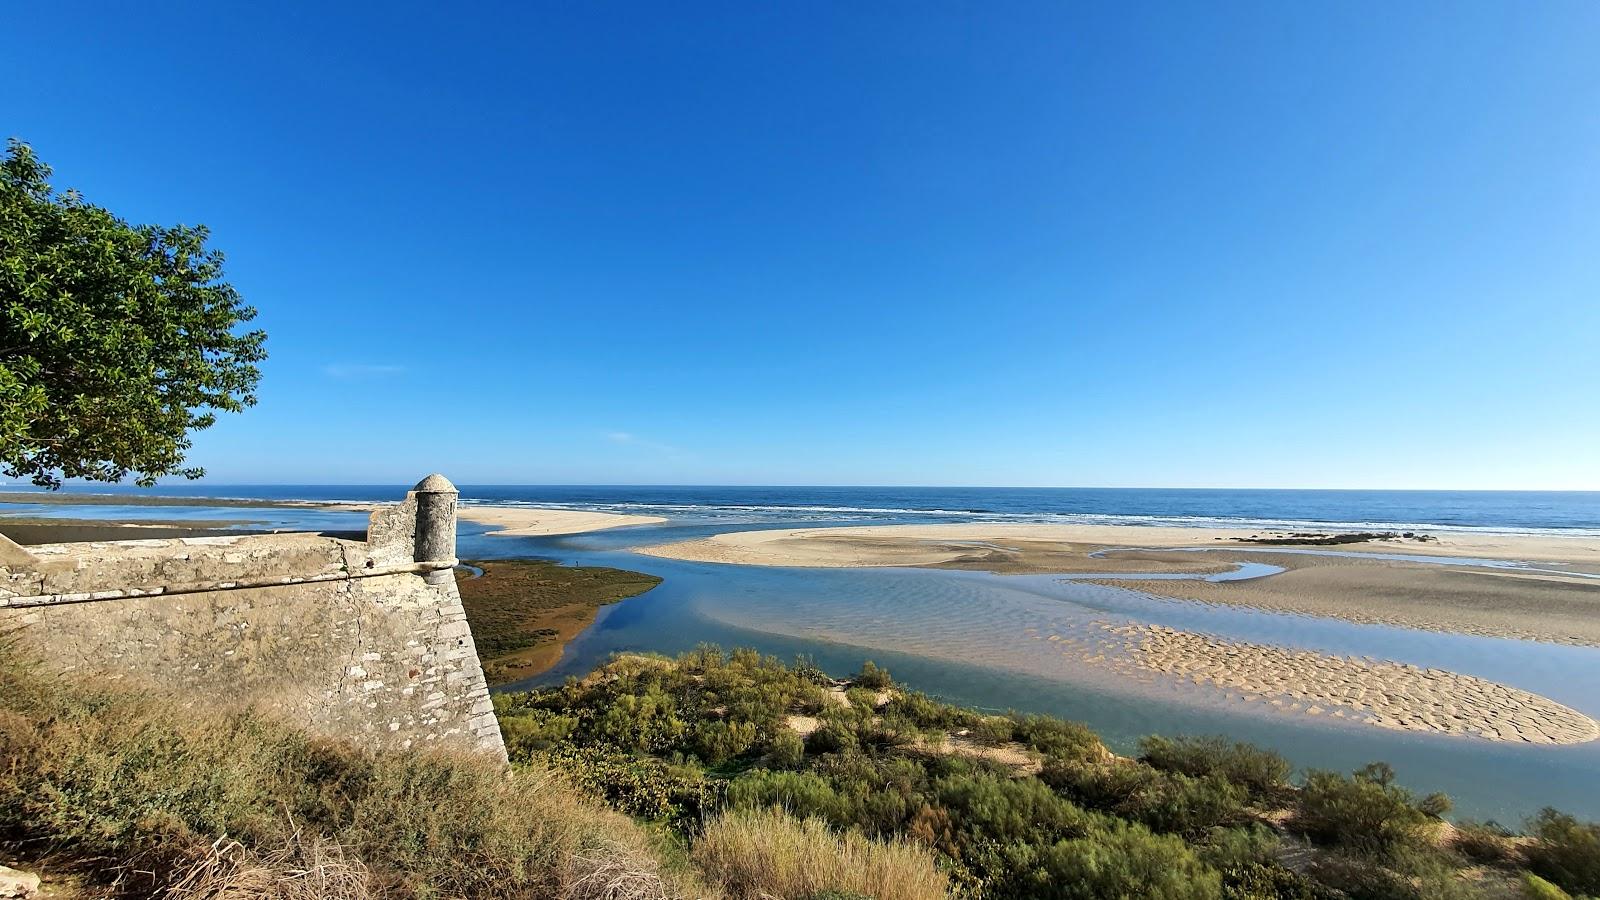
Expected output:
(361, 370)
(629, 439)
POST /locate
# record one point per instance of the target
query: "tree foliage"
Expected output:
(117, 341)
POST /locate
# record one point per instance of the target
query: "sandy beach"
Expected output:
(524, 521)
(1027, 547)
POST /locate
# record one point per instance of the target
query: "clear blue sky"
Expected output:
(1234, 244)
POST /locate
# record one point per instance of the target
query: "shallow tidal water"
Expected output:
(973, 638)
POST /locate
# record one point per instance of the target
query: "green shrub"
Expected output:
(647, 788)
(1566, 851)
(535, 730)
(993, 730)
(1005, 809)
(1235, 849)
(1365, 812)
(720, 740)
(927, 712)
(872, 678)
(786, 750)
(1058, 738)
(862, 699)
(801, 793)
(1124, 861)
(886, 733)
(1262, 772)
(647, 722)
(832, 738)
(1164, 802)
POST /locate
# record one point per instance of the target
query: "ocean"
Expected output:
(1514, 511)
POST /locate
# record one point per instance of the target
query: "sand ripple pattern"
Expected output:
(1386, 694)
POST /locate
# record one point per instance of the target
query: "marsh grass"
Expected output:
(523, 611)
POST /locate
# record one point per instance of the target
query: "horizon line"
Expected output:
(859, 486)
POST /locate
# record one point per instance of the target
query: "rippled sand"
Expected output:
(1386, 694)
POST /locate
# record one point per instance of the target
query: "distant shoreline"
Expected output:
(76, 499)
(509, 521)
(953, 544)
(1553, 599)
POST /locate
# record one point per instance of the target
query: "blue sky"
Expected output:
(1237, 245)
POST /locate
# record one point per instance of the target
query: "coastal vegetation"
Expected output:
(117, 341)
(523, 611)
(1012, 806)
(124, 794)
(726, 775)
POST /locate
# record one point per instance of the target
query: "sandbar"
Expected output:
(1456, 599)
(1382, 693)
(527, 521)
(1358, 585)
(1038, 547)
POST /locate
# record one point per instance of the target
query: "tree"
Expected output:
(117, 341)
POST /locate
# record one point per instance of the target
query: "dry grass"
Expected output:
(764, 854)
(231, 871)
(237, 806)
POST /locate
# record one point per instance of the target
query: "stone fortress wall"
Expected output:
(360, 640)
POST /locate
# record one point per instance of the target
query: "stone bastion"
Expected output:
(361, 640)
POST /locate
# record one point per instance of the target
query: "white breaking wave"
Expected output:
(783, 512)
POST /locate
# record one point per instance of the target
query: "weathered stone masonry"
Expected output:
(363, 640)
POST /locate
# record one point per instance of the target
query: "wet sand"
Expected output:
(523, 612)
(1358, 587)
(1462, 600)
(1362, 690)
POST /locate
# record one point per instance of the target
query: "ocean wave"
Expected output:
(931, 515)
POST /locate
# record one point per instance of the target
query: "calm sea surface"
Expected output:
(1468, 510)
(963, 635)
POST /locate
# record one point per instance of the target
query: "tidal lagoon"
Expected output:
(1126, 646)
